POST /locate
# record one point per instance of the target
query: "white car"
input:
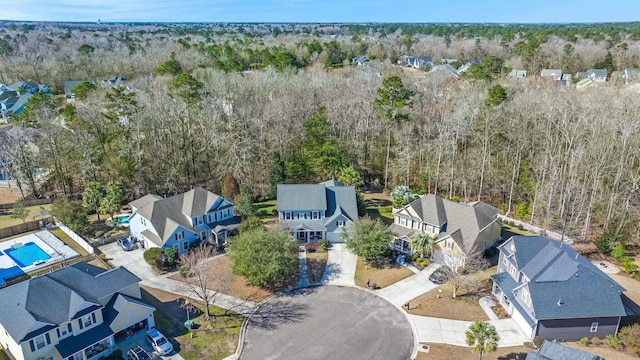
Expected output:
(158, 342)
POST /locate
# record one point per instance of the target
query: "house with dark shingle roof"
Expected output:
(552, 291)
(14, 97)
(554, 351)
(180, 220)
(76, 312)
(317, 211)
(595, 75)
(417, 62)
(459, 230)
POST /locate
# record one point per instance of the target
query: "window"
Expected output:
(287, 215)
(176, 247)
(315, 215)
(429, 228)
(416, 225)
(594, 327)
(180, 235)
(64, 331)
(340, 222)
(87, 320)
(200, 220)
(526, 297)
(39, 342)
(505, 261)
(513, 271)
(448, 244)
(185, 246)
(403, 221)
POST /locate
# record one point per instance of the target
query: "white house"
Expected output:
(180, 220)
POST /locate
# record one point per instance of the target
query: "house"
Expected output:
(555, 74)
(631, 75)
(417, 62)
(585, 84)
(317, 211)
(14, 97)
(459, 230)
(114, 80)
(552, 291)
(445, 69)
(76, 313)
(554, 351)
(466, 66)
(517, 74)
(359, 60)
(69, 85)
(596, 75)
(181, 220)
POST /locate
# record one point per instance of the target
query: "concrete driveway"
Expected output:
(341, 266)
(328, 322)
(411, 287)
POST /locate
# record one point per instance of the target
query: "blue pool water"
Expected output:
(121, 219)
(27, 254)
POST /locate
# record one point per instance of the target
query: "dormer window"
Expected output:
(340, 223)
(403, 221)
(180, 235)
(64, 331)
(526, 297)
(315, 215)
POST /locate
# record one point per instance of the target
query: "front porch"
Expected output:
(101, 342)
(402, 245)
(308, 236)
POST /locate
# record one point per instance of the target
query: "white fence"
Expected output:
(77, 238)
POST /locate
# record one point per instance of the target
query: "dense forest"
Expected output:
(269, 103)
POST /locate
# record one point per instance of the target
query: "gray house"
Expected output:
(69, 85)
(596, 75)
(552, 291)
(76, 313)
(554, 351)
(359, 60)
(417, 62)
(317, 211)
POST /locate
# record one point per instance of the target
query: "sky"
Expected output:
(351, 11)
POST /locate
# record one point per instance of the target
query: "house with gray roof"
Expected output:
(444, 69)
(76, 313)
(459, 230)
(69, 85)
(595, 75)
(553, 351)
(14, 97)
(417, 62)
(317, 211)
(359, 60)
(551, 291)
(517, 74)
(182, 220)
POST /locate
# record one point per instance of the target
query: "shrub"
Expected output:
(630, 336)
(537, 341)
(520, 227)
(103, 256)
(512, 223)
(194, 245)
(153, 257)
(170, 256)
(595, 341)
(618, 252)
(184, 270)
(613, 341)
(262, 212)
(423, 263)
(323, 244)
(628, 265)
(414, 256)
(584, 341)
(99, 233)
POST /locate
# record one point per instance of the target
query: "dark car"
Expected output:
(440, 276)
(138, 353)
(125, 244)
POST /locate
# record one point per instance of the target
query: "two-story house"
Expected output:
(417, 62)
(552, 291)
(317, 211)
(180, 220)
(459, 230)
(595, 75)
(75, 313)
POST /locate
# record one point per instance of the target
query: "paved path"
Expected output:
(304, 279)
(538, 230)
(341, 266)
(411, 287)
(486, 303)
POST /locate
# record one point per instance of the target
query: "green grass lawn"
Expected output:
(212, 339)
(383, 213)
(6, 220)
(67, 240)
(265, 209)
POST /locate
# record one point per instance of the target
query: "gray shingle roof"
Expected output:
(57, 297)
(301, 197)
(558, 274)
(554, 351)
(72, 345)
(68, 85)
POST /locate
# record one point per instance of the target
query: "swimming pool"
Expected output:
(121, 220)
(27, 254)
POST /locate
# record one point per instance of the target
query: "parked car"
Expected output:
(125, 244)
(138, 353)
(441, 275)
(158, 342)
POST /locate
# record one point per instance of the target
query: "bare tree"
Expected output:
(461, 275)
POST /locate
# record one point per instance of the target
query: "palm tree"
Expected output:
(422, 242)
(482, 337)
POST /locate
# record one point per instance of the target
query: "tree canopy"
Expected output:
(368, 238)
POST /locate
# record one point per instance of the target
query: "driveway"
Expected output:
(411, 287)
(328, 322)
(341, 266)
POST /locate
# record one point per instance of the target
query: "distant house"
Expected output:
(76, 313)
(552, 291)
(417, 61)
(459, 230)
(466, 67)
(585, 84)
(596, 75)
(114, 80)
(14, 97)
(181, 220)
(630, 75)
(517, 74)
(554, 351)
(69, 85)
(359, 60)
(555, 74)
(317, 211)
(444, 68)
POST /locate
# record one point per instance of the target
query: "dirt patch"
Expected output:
(9, 195)
(603, 351)
(450, 352)
(316, 263)
(382, 276)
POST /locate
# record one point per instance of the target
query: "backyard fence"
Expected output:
(25, 227)
(77, 238)
(27, 203)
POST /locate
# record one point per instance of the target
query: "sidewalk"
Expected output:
(341, 266)
(411, 287)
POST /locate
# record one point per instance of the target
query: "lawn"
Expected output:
(509, 231)
(67, 240)
(211, 339)
(237, 285)
(451, 352)
(34, 211)
(265, 209)
(603, 351)
(440, 303)
(382, 276)
(316, 262)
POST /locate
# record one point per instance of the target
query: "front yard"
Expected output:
(383, 276)
(316, 263)
(211, 340)
(451, 352)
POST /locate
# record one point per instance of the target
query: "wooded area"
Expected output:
(282, 103)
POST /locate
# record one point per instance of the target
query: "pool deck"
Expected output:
(46, 241)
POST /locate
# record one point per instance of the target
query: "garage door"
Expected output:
(445, 259)
(334, 237)
(523, 325)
